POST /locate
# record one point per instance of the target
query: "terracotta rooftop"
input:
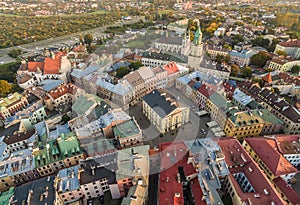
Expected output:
(62, 90)
(206, 91)
(288, 144)
(33, 66)
(49, 66)
(266, 150)
(171, 68)
(267, 78)
(80, 48)
(239, 162)
(292, 43)
(288, 191)
(175, 155)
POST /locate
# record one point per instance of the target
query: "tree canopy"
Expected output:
(122, 71)
(5, 88)
(235, 70)
(259, 59)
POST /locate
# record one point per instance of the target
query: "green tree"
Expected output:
(122, 71)
(81, 40)
(5, 88)
(272, 46)
(259, 59)
(246, 72)
(219, 58)
(235, 70)
(135, 65)
(88, 39)
(281, 53)
(295, 69)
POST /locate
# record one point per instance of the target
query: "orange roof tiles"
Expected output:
(266, 150)
(267, 78)
(49, 66)
(52, 66)
(62, 90)
(171, 68)
(32, 66)
(80, 48)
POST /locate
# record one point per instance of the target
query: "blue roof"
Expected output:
(197, 85)
(232, 83)
(241, 97)
(119, 89)
(184, 80)
(242, 54)
(78, 73)
(48, 85)
(117, 65)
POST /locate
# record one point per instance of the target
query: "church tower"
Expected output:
(196, 49)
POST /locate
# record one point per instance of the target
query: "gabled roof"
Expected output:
(34, 66)
(267, 78)
(266, 150)
(171, 68)
(205, 90)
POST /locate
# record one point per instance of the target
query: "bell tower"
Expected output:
(196, 50)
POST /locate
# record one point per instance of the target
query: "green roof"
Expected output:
(58, 149)
(267, 116)
(84, 102)
(218, 100)
(10, 99)
(244, 118)
(5, 196)
(126, 129)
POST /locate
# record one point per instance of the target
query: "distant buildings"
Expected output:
(283, 64)
(241, 58)
(291, 47)
(164, 112)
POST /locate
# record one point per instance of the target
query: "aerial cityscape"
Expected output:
(159, 102)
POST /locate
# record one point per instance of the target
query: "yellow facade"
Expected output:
(242, 131)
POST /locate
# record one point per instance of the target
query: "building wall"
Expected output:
(242, 132)
(294, 159)
(95, 189)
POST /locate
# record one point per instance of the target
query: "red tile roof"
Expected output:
(288, 191)
(49, 66)
(293, 43)
(266, 150)
(239, 161)
(32, 66)
(205, 90)
(80, 48)
(171, 68)
(267, 78)
(174, 155)
(52, 66)
(62, 90)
